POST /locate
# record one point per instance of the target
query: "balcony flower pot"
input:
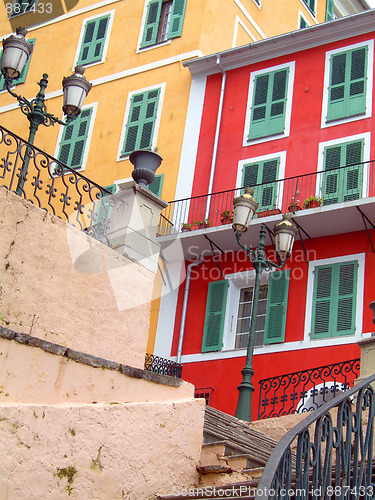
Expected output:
(185, 227)
(203, 224)
(312, 202)
(267, 213)
(294, 208)
(226, 217)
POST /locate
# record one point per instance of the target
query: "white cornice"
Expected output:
(288, 43)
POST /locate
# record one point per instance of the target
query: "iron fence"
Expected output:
(53, 186)
(347, 183)
(305, 390)
(161, 365)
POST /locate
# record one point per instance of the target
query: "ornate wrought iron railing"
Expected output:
(305, 390)
(327, 455)
(347, 183)
(161, 365)
(53, 186)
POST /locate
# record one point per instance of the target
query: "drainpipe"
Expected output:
(217, 132)
(184, 306)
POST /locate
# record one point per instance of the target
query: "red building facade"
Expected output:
(293, 117)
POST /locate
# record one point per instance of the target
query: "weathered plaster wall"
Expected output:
(58, 284)
(117, 451)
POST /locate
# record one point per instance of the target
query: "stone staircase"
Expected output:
(232, 459)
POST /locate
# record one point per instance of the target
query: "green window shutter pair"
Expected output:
(269, 104)
(74, 139)
(275, 317)
(344, 184)
(152, 25)
(141, 121)
(22, 77)
(347, 84)
(156, 186)
(264, 173)
(329, 10)
(334, 300)
(93, 41)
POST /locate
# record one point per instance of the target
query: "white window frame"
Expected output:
(301, 14)
(309, 11)
(369, 84)
(94, 107)
(366, 137)
(111, 14)
(141, 31)
(361, 257)
(288, 112)
(160, 86)
(258, 3)
(281, 174)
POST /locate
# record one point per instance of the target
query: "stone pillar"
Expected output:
(367, 352)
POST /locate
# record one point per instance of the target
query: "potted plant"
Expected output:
(294, 204)
(312, 202)
(186, 226)
(269, 211)
(202, 224)
(226, 217)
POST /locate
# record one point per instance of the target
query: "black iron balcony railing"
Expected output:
(327, 455)
(51, 185)
(347, 183)
(161, 365)
(305, 390)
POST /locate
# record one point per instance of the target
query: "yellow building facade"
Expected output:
(133, 52)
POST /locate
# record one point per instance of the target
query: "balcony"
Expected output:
(346, 204)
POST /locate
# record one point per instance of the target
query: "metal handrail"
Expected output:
(313, 467)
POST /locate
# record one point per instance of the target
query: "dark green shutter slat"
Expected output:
(150, 32)
(277, 302)
(177, 18)
(215, 315)
(74, 139)
(93, 40)
(329, 10)
(156, 186)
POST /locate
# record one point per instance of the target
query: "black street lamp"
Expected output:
(16, 50)
(285, 233)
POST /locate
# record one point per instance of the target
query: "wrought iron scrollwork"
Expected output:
(161, 365)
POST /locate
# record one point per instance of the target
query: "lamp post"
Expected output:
(285, 233)
(16, 50)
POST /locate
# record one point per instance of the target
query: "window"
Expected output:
(347, 83)
(74, 140)
(164, 20)
(330, 5)
(343, 184)
(22, 77)
(268, 107)
(140, 125)
(22, 6)
(156, 186)
(265, 173)
(310, 4)
(334, 300)
(93, 40)
(271, 314)
(302, 23)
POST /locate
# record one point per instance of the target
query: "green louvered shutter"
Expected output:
(347, 89)
(150, 32)
(22, 6)
(302, 23)
(329, 10)
(352, 176)
(331, 179)
(177, 18)
(215, 315)
(22, 77)
(93, 41)
(277, 301)
(264, 173)
(156, 186)
(311, 5)
(141, 121)
(74, 139)
(334, 300)
(269, 104)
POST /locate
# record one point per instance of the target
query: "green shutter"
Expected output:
(344, 184)
(334, 300)
(302, 23)
(177, 18)
(156, 186)
(347, 88)
(269, 104)
(329, 10)
(311, 5)
(22, 77)
(104, 208)
(215, 315)
(93, 40)
(72, 146)
(141, 121)
(22, 6)
(263, 173)
(150, 32)
(277, 301)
